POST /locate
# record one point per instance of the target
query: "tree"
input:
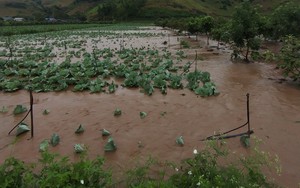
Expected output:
(206, 25)
(290, 56)
(245, 28)
(106, 10)
(285, 20)
(221, 31)
(193, 26)
(130, 8)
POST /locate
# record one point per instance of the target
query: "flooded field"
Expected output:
(274, 106)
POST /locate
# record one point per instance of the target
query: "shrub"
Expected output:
(55, 171)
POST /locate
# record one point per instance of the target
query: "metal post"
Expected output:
(31, 111)
(248, 114)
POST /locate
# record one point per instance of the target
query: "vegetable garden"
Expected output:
(133, 90)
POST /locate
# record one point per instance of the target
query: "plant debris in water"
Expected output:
(80, 129)
(117, 112)
(46, 112)
(44, 145)
(79, 148)
(180, 141)
(19, 109)
(110, 145)
(245, 141)
(22, 128)
(55, 139)
(4, 109)
(143, 115)
(105, 132)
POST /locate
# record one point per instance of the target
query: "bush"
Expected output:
(55, 171)
(205, 170)
(211, 167)
(184, 44)
(290, 56)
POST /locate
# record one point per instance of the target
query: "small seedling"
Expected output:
(105, 132)
(163, 113)
(22, 128)
(143, 115)
(46, 112)
(110, 146)
(79, 148)
(245, 140)
(80, 129)
(117, 112)
(4, 110)
(19, 109)
(55, 139)
(180, 141)
(44, 146)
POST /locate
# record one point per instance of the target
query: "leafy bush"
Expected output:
(55, 171)
(205, 170)
(184, 44)
(214, 166)
(290, 55)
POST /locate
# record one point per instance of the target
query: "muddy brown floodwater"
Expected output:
(274, 113)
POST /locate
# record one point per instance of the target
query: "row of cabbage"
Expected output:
(100, 70)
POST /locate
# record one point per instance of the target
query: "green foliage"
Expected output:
(285, 20)
(146, 69)
(55, 139)
(207, 88)
(184, 44)
(14, 173)
(221, 31)
(290, 57)
(105, 132)
(79, 148)
(80, 129)
(148, 174)
(4, 109)
(110, 145)
(22, 128)
(30, 29)
(46, 112)
(143, 115)
(245, 28)
(245, 140)
(180, 140)
(117, 112)
(44, 145)
(194, 25)
(207, 23)
(211, 167)
(59, 171)
(204, 170)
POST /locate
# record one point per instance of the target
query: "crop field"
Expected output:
(133, 92)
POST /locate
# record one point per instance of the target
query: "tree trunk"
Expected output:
(247, 53)
(207, 42)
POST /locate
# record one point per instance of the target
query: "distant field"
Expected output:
(16, 30)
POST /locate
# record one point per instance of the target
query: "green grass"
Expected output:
(30, 29)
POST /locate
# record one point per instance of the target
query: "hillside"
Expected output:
(35, 9)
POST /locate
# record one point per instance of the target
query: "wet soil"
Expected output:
(274, 117)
